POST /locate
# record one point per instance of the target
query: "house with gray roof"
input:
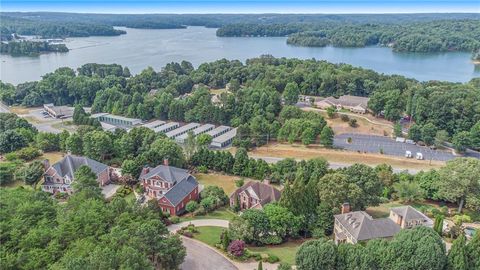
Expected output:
(59, 176)
(172, 187)
(358, 226)
(254, 195)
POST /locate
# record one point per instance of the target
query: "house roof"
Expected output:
(409, 213)
(363, 227)
(347, 100)
(70, 163)
(167, 173)
(180, 190)
(263, 192)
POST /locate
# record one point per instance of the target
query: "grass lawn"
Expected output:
(21, 109)
(286, 251)
(227, 182)
(221, 213)
(52, 157)
(283, 150)
(209, 235)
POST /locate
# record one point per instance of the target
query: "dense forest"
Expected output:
(254, 102)
(30, 48)
(432, 36)
(53, 29)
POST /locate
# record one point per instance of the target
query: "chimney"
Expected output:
(145, 170)
(345, 208)
(165, 161)
(46, 164)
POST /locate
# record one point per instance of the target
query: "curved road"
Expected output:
(200, 256)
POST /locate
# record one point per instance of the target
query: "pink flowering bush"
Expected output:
(236, 248)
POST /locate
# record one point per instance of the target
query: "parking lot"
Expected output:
(376, 144)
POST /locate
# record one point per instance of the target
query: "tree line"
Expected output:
(258, 91)
(30, 48)
(427, 36)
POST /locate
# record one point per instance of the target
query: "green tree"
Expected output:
(241, 162)
(86, 180)
(415, 133)
(291, 93)
(74, 144)
(441, 137)
(191, 206)
(331, 111)
(428, 133)
(131, 167)
(473, 249)
(408, 191)
(457, 255)
(10, 141)
(308, 136)
(48, 142)
(397, 130)
(438, 225)
(458, 182)
(461, 141)
(475, 135)
(31, 173)
(316, 254)
(326, 136)
(97, 145)
(282, 222)
(204, 140)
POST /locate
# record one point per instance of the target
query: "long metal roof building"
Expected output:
(166, 127)
(181, 130)
(218, 131)
(224, 139)
(197, 131)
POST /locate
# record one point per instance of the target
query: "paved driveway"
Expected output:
(373, 144)
(202, 257)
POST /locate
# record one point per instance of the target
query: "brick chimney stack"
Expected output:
(165, 161)
(345, 208)
(145, 170)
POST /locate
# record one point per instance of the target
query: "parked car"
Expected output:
(400, 139)
(408, 154)
(410, 141)
(419, 156)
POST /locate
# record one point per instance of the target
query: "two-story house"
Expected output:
(358, 226)
(254, 195)
(59, 176)
(172, 187)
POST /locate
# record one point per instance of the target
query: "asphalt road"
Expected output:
(374, 144)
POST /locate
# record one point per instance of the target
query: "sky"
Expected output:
(244, 6)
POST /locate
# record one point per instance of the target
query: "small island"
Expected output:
(30, 48)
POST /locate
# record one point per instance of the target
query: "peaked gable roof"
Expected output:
(180, 190)
(363, 227)
(409, 213)
(71, 163)
(263, 192)
(167, 173)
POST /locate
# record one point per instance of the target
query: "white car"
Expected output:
(408, 154)
(419, 156)
(410, 141)
(400, 139)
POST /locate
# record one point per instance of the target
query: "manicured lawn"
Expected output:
(286, 251)
(221, 213)
(227, 182)
(209, 235)
(52, 157)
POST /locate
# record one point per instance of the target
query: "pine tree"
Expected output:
(438, 225)
(260, 266)
(457, 256)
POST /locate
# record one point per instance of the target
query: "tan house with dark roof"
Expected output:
(352, 103)
(358, 226)
(254, 195)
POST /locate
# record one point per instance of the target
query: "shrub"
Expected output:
(174, 219)
(208, 204)
(272, 240)
(344, 118)
(202, 169)
(284, 266)
(352, 122)
(272, 258)
(236, 248)
(240, 182)
(200, 211)
(191, 206)
(188, 234)
(11, 156)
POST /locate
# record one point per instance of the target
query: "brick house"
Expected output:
(254, 195)
(358, 226)
(172, 187)
(59, 176)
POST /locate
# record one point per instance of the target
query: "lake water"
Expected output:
(139, 49)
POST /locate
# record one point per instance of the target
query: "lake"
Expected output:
(141, 48)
